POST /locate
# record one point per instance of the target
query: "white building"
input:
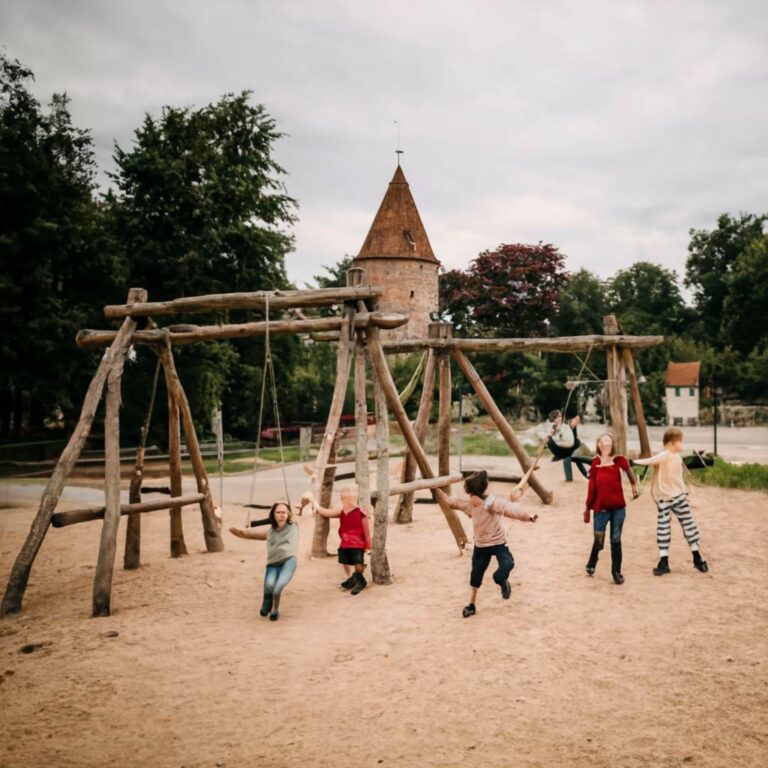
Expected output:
(682, 394)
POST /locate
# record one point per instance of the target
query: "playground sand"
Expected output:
(570, 671)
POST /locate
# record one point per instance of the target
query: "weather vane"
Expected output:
(398, 151)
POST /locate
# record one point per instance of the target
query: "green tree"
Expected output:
(745, 307)
(56, 269)
(335, 276)
(200, 208)
(582, 304)
(711, 257)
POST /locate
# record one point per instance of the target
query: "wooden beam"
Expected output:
(343, 364)
(178, 545)
(444, 414)
(420, 485)
(278, 300)
(17, 582)
(74, 516)
(617, 390)
(384, 376)
(552, 344)
(211, 532)
(379, 562)
(190, 334)
(404, 510)
(637, 403)
(361, 458)
(501, 423)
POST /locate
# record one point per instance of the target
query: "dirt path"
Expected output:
(571, 671)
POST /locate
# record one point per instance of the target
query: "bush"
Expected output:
(725, 475)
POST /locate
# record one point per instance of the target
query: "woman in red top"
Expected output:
(606, 497)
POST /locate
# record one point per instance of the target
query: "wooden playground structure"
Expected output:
(357, 333)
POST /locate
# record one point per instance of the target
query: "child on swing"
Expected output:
(486, 511)
(670, 494)
(282, 539)
(562, 439)
(355, 536)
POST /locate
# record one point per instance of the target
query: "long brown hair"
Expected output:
(273, 519)
(613, 443)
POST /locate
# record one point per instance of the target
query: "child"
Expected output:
(490, 537)
(563, 442)
(670, 495)
(355, 538)
(606, 497)
(282, 539)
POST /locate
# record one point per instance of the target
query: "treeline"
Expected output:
(197, 204)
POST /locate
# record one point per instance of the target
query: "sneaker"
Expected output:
(360, 584)
(469, 610)
(348, 583)
(618, 578)
(662, 567)
(506, 589)
(701, 566)
(274, 616)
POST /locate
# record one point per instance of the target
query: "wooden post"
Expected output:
(213, 540)
(381, 369)
(323, 524)
(404, 510)
(178, 545)
(17, 582)
(501, 423)
(617, 391)
(379, 562)
(362, 472)
(443, 330)
(637, 403)
(343, 364)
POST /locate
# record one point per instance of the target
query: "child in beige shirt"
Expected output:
(671, 496)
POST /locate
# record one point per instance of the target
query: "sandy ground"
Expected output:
(571, 671)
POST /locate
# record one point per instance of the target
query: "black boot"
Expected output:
(266, 606)
(593, 555)
(275, 615)
(616, 562)
(349, 583)
(698, 563)
(662, 567)
(360, 584)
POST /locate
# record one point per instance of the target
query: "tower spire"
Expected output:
(398, 151)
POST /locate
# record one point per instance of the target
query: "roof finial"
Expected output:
(398, 151)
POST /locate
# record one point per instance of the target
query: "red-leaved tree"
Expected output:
(511, 291)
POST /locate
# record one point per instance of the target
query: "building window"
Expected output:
(677, 391)
(691, 393)
(413, 293)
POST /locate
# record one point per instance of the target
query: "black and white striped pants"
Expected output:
(679, 505)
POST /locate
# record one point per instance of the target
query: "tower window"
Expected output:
(413, 293)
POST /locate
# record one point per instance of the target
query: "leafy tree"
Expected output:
(56, 268)
(199, 208)
(336, 276)
(745, 307)
(647, 299)
(511, 291)
(582, 303)
(711, 256)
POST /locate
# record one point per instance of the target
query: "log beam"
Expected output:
(421, 485)
(552, 344)
(74, 516)
(277, 300)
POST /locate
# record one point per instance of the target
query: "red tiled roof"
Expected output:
(397, 230)
(683, 374)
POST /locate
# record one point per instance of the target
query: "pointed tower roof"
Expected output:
(397, 231)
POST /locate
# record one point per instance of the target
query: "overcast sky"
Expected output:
(606, 127)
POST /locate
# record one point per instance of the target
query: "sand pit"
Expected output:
(571, 671)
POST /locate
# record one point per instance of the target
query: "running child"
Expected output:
(486, 511)
(670, 495)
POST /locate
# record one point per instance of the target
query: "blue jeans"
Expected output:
(616, 518)
(277, 577)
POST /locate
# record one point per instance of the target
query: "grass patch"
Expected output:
(752, 477)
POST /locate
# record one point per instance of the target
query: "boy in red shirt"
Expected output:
(355, 538)
(606, 497)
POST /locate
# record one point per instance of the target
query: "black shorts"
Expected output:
(350, 556)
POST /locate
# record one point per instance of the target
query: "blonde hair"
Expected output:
(672, 435)
(613, 443)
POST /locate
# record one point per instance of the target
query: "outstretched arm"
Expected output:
(624, 464)
(652, 461)
(249, 533)
(443, 498)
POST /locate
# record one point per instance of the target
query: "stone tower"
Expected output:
(397, 256)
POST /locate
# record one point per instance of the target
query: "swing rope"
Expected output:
(268, 372)
(584, 362)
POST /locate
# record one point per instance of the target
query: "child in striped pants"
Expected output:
(672, 498)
